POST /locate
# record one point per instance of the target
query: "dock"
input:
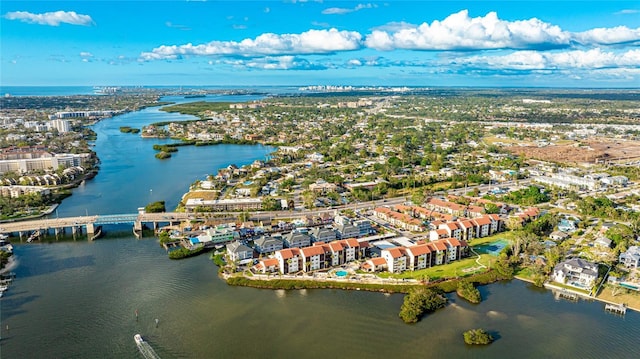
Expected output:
(620, 309)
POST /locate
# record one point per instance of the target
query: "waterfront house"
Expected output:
(631, 258)
(375, 265)
(269, 265)
(238, 252)
(268, 244)
(289, 260)
(576, 272)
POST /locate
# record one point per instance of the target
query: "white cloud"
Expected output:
(535, 60)
(50, 18)
(461, 32)
(608, 36)
(269, 44)
(627, 12)
(86, 54)
(276, 63)
(342, 10)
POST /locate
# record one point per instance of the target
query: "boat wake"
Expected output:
(145, 349)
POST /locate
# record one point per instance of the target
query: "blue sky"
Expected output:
(307, 42)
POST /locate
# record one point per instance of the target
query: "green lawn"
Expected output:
(451, 270)
(486, 240)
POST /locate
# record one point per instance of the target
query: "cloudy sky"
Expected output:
(308, 42)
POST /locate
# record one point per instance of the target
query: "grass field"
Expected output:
(629, 298)
(455, 269)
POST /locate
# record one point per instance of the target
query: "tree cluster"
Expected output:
(420, 301)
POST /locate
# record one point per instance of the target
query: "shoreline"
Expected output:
(584, 296)
(12, 263)
(373, 285)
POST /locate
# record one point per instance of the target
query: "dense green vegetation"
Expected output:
(184, 252)
(165, 148)
(477, 337)
(165, 237)
(603, 207)
(127, 129)
(162, 155)
(155, 207)
(4, 258)
(526, 196)
(467, 291)
(419, 301)
(277, 283)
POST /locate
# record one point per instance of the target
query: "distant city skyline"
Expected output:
(314, 42)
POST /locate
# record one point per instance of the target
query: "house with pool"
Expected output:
(576, 272)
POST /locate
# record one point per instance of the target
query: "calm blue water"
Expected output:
(131, 177)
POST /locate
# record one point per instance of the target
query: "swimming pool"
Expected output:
(341, 273)
(625, 285)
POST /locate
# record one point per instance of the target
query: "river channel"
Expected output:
(79, 299)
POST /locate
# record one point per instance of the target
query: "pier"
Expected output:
(620, 309)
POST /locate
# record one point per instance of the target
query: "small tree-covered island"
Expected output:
(477, 337)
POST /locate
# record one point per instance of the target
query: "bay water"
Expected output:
(78, 299)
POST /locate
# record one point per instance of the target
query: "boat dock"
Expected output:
(620, 309)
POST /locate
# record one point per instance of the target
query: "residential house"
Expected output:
(576, 272)
(323, 234)
(348, 231)
(297, 239)
(269, 265)
(267, 244)
(377, 264)
(631, 258)
(363, 226)
(238, 252)
(558, 235)
(602, 242)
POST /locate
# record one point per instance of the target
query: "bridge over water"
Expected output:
(89, 224)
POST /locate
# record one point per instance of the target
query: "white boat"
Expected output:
(145, 349)
(4, 236)
(3, 288)
(138, 339)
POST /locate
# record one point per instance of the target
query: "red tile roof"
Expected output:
(419, 250)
